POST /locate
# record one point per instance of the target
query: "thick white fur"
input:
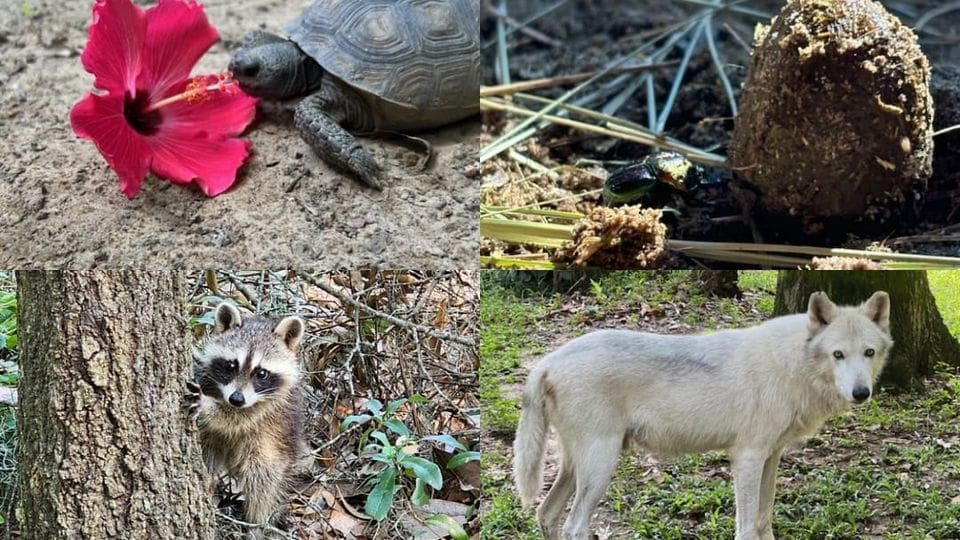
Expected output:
(751, 392)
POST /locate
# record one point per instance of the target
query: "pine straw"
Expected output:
(382, 335)
(547, 231)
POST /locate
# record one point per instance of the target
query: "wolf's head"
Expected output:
(855, 341)
(248, 361)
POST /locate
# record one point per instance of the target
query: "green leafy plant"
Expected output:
(8, 320)
(596, 289)
(388, 441)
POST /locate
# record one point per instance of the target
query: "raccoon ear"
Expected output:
(290, 330)
(227, 317)
(821, 311)
(877, 309)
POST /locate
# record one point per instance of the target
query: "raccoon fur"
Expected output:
(250, 410)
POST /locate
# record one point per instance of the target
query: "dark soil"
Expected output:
(592, 34)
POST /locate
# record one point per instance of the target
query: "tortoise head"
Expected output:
(275, 70)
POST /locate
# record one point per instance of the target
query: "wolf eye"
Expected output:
(869, 353)
(261, 374)
(838, 355)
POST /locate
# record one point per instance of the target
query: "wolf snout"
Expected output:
(861, 393)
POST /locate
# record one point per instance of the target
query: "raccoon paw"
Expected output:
(191, 400)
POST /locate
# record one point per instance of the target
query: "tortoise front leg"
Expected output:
(318, 117)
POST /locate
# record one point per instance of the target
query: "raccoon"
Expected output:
(250, 410)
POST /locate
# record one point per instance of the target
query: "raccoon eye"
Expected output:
(261, 374)
(232, 365)
(838, 355)
(869, 353)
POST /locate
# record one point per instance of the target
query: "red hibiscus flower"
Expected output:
(147, 114)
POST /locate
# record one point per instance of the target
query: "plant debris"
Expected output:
(624, 237)
(845, 263)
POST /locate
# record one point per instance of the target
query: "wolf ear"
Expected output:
(821, 311)
(877, 309)
(227, 317)
(290, 330)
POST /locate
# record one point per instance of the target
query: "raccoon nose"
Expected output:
(236, 399)
(860, 393)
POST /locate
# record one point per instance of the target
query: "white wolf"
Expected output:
(751, 392)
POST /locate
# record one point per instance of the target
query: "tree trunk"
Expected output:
(921, 339)
(105, 450)
(720, 283)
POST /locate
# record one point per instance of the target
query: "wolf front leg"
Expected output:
(768, 488)
(321, 119)
(747, 468)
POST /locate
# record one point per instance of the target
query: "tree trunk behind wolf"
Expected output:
(104, 450)
(921, 339)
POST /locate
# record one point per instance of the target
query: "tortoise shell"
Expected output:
(416, 62)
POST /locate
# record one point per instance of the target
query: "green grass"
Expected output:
(889, 470)
(507, 324)
(763, 282)
(945, 286)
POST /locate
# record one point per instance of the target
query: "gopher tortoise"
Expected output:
(365, 66)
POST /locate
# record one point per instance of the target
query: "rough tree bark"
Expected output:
(721, 283)
(105, 449)
(922, 340)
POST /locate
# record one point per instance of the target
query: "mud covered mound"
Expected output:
(836, 115)
(61, 204)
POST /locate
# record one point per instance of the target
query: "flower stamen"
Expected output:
(198, 90)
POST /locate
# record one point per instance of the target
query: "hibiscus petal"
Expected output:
(113, 50)
(219, 113)
(100, 119)
(177, 36)
(184, 156)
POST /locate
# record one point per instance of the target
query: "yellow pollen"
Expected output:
(197, 90)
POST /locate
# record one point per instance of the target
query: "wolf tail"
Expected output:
(528, 446)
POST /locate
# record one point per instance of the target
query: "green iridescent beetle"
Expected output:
(633, 182)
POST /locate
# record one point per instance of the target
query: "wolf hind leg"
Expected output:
(768, 488)
(552, 507)
(747, 467)
(594, 463)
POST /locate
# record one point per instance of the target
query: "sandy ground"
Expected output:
(61, 206)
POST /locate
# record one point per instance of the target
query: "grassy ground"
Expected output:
(889, 470)
(945, 284)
